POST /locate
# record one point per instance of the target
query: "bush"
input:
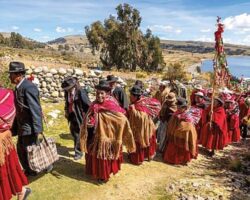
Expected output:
(141, 75)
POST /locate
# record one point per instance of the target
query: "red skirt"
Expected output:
(173, 154)
(12, 178)
(141, 154)
(213, 139)
(234, 135)
(100, 168)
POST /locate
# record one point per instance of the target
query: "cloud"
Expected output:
(37, 30)
(15, 28)
(164, 28)
(205, 30)
(238, 22)
(63, 30)
(204, 38)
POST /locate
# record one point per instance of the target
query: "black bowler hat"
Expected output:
(220, 100)
(111, 78)
(181, 102)
(136, 90)
(16, 67)
(69, 82)
(103, 85)
(139, 83)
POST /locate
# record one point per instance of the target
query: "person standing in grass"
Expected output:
(12, 178)
(28, 123)
(76, 105)
(141, 115)
(105, 128)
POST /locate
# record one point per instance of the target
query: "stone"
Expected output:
(53, 71)
(29, 71)
(55, 94)
(78, 72)
(45, 69)
(48, 80)
(38, 70)
(51, 89)
(49, 75)
(45, 90)
(44, 84)
(61, 94)
(70, 71)
(53, 84)
(56, 76)
(62, 71)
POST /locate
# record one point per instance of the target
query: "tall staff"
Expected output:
(221, 72)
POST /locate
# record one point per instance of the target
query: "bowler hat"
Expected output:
(103, 85)
(69, 82)
(219, 99)
(16, 67)
(136, 90)
(111, 78)
(181, 102)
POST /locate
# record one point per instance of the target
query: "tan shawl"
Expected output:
(142, 126)
(111, 131)
(183, 134)
(6, 145)
(160, 96)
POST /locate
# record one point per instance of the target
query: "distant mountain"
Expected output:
(80, 43)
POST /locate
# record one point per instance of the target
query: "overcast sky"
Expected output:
(169, 19)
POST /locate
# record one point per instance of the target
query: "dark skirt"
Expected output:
(12, 178)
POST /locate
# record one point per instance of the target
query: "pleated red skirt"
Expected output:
(12, 178)
(213, 140)
(100, 168)
(141, 154)
(173, 154)
(234, 135)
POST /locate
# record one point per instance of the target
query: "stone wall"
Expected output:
(49, 80)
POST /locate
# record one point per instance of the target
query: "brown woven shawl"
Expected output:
(6, 145)
(111, 131)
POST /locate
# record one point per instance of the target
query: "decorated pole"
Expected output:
(221, 72)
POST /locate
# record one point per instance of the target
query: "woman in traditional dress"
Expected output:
(12, 178)
(233, 120)
(142, 111)
(181, 136)
(214, 135)
(104, 130)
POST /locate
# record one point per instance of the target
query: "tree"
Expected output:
(121, 43)
(176, 71)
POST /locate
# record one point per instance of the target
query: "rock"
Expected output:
(70, 71)
(45, 90)
(53, 71)
(45, 69)
(49, 80)
(78, 72)
(51, 89)
(38, 70)
(29, 71)
(55, 94)
(53, 84)
(61, 94)
(195, 184)
(62, 71)
(56, 76)
(49, 75)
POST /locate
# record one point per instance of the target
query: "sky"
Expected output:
(194, 20)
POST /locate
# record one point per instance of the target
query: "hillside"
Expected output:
(80, 43)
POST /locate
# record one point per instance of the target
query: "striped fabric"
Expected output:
(7, 111)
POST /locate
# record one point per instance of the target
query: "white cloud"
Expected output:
(37, 30)
(164, 28)
(178, 31)
(63, 30)
(204, 38)
(238, 22)
(15, 28)
(205, 30)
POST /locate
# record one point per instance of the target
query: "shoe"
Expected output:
(77, 157)
(30, 173)
(49, 169)
(27, 193)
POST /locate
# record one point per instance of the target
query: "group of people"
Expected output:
(144, 124)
